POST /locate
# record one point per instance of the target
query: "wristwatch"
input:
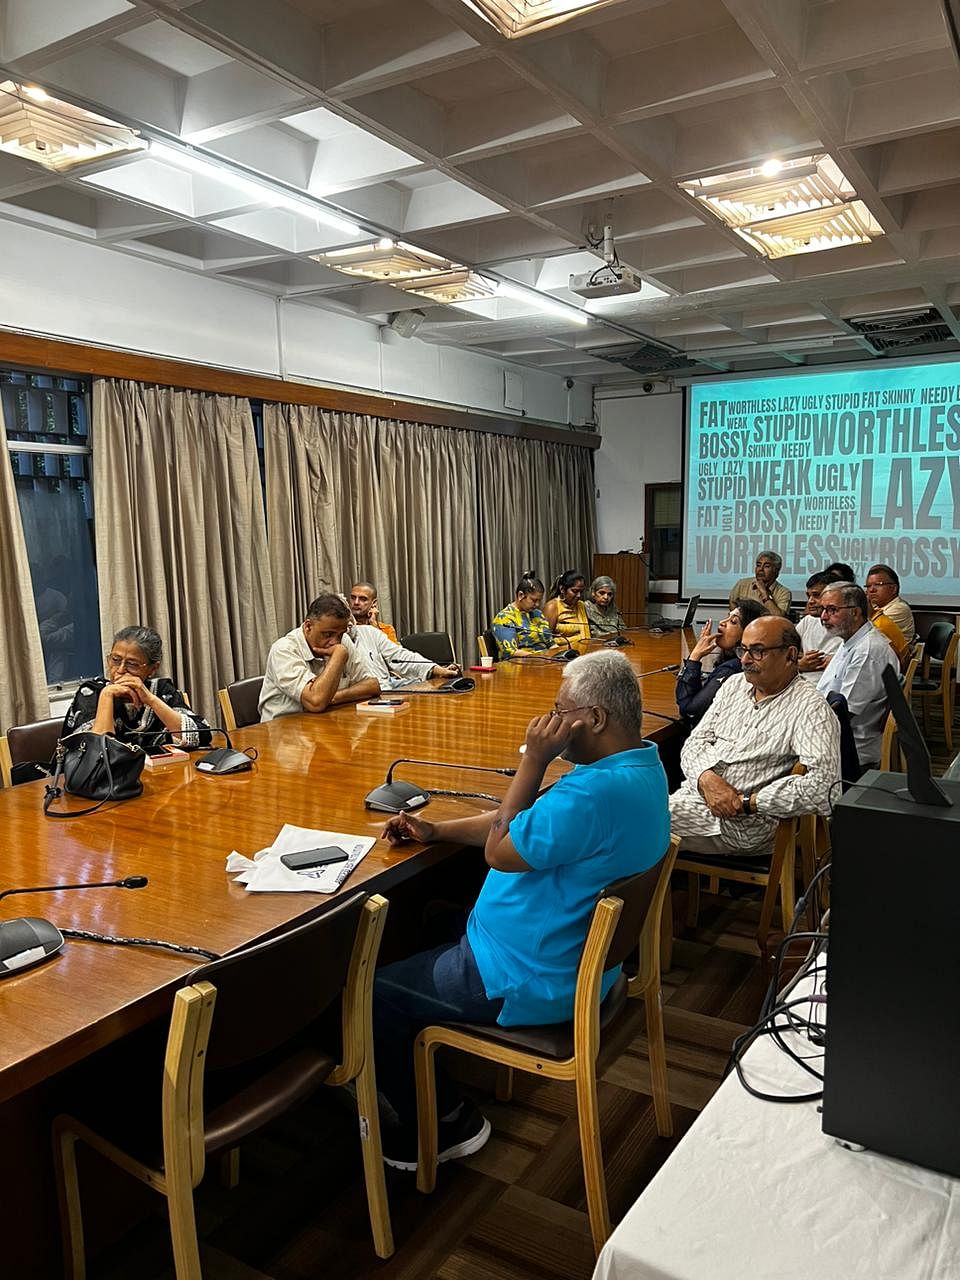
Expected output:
(745, 804)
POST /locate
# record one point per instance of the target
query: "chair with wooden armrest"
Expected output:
(242, 1049)
(487, 646)
(27, 749)
(631, 908)
(239, 703)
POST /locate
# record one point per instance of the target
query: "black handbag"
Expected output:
(98, 767)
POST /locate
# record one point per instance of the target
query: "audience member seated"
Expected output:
(604, 617)
(882, 588)
(737, 762)
(550, 855)
(316, 666)
(819, 645)
(856, 669)
(520, 628)
(366, 609)
(391, 663)
(131, 703)
(764, 587)
(697, 689)
(840, 572)
(564, 610)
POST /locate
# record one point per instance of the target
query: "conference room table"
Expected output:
(312, 771)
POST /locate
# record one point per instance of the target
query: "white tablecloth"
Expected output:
(755, 1191)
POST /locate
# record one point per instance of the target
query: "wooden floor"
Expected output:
(516, 1209)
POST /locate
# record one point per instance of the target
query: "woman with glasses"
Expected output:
(696, 689)
(131, 703)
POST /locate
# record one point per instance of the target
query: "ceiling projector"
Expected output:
(607, 281)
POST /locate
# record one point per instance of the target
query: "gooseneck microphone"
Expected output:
(675, 666)
(402, 797)
(130, 882)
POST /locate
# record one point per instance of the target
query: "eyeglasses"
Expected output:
(836, 608)
(758, 651)
(563, 711)
(871, 586)
(116, 663)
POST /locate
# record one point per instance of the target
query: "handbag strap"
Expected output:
(52, 791)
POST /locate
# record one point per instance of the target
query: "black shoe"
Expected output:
(466, 1133)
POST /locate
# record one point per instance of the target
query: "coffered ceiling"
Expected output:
(418, 121)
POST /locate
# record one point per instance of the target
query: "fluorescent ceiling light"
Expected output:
(786, 207)
(543, 303)
(451, 287)
(514, 18)
(36, 127)
(390, 261)
(261, 192)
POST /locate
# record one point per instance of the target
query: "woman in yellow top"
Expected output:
(564, 610)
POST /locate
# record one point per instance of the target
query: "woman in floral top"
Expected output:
(520, 628)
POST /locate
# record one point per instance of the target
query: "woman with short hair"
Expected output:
(131, 703)
(601, 609)
(564, 610)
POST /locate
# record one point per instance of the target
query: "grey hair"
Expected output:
(851, 595)
(146, 639)
(603, 583)
(776, 561)
(606, 680)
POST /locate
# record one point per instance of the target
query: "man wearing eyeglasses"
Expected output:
(856, 669)
(738, 762)
(883, 596)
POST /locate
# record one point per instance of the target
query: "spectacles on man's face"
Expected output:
(563, 711)
(875, 586)
(834, 608)
(758, 651)
(131, 665)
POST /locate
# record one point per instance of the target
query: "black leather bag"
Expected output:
(98, 767)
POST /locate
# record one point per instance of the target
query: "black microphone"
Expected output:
(29, 940)
(659, 670)
(402, 797)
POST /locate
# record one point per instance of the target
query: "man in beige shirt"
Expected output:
(316, 665)
(764, 587)
(883, 595)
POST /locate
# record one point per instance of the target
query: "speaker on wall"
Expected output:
(405, 323)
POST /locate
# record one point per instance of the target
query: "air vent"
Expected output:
(645, 357)
(896, 330)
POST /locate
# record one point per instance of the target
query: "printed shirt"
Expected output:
(600, 822)
(513, 629)
(856, 671)
(292, 664)
(753, 745)
(139, 724)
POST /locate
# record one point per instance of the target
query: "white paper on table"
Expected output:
(265, 873)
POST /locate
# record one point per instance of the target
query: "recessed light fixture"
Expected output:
(451, 287)
(37, 127)
(514, 18)
(800, 206)
(391, 261)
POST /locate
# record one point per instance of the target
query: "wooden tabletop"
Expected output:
(313, 771)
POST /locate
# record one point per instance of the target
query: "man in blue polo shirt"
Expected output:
(550, 856)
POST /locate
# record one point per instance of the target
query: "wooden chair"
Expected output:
(941, 646)
(25, 746)
(487, 646)
(631, 908)
(891, 759)
(435, 645)
(238, 703)
(775, 873)
(241, 1050)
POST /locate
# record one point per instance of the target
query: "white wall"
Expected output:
(67, 288)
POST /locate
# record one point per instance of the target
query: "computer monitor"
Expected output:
(692, 608)
(920, 784)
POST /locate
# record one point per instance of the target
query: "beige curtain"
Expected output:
(180, 532)
(442, 520)
(23, 681)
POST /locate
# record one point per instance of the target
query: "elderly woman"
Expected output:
(131, 703)
(601, 609)
(564, 610)
(695, 691)
(520, 628)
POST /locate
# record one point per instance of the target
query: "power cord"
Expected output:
(84, 935)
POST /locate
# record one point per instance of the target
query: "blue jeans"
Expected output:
(441, 985)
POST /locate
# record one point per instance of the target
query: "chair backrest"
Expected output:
(26, 745)
(487, 644)
(908, 675)
(850, 768)
(268, 992)
(938, 640)
(434, 645)
(238, 703)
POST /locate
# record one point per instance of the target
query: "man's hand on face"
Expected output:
(723, 801)
(548, 736)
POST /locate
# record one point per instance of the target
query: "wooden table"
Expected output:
(313, 771)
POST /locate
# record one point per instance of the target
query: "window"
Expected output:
(47, 435)
(662, 507)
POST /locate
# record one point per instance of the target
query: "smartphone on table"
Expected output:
(307, 858)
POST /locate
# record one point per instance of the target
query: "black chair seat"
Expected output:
(926, 686)
(265, 1098)
(554, 1041)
